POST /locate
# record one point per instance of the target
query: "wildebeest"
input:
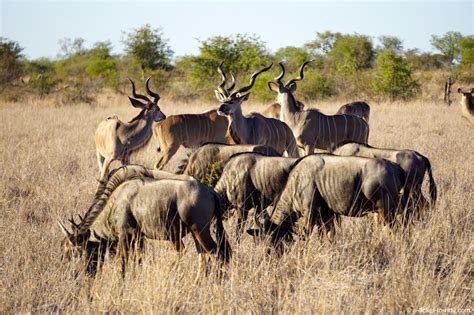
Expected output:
(115, 140)
(413, 163)
(359, 109)
(255, 128)
(311, 128)
(321, 187)
(210, 159)
(252, 180)
(467, 104)
(137, 203)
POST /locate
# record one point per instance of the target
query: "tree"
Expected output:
(466, 45)
(393, 77)
(448, 45)
(11, 66)
(70, 47)
(323, 43)
(352, 53)
(240, 54)
(293, 57)
(101, 65)
(392, 43)
(148, 48)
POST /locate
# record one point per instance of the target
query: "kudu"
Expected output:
(137, 203)
(190, 130)
(311, 128)
(273, 111)
(321, 187)
(359, 109)
(467, 104)
(115, 139)
(255, 128)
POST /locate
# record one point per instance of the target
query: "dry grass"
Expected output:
(48, 170)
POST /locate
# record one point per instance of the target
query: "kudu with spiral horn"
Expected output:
(311, 128)
(192, 130)
(115, 139)
(255, 128)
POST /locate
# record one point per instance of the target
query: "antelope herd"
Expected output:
(265, 162)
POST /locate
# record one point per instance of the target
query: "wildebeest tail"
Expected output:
(224, 250)
(433, 189)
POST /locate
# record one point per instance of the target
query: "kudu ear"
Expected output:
(219, 96)
(292, 87)
(459, 90)
(244, 97)
(136, 103)
(275, 87)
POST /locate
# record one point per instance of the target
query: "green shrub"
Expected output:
(393, 77)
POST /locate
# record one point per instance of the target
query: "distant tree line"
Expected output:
(344, 65)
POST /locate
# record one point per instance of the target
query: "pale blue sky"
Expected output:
(38, 25)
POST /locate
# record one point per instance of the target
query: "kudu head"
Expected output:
(232, 101)
(148, 107)
(290, 87)
(77, 244)
(466, 94)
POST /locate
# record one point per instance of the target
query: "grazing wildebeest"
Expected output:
(252, 180)
(137, 203)
(311, 128)
(255, 128)
(360, 109)
(413, 163)
(115, 139)
(210, 159)
(321, 187)
(467, 104)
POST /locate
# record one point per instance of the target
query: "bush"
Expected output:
(393, 77)
(315, 86)
(42, 76)
(11, 63)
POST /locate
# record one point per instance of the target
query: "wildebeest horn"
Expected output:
(135, 95)
(64, 230)
(73, 222)
(301, 73)
(150, 92)
(280, 76)
(252, 81)
(220, 87)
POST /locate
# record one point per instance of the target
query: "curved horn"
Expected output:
(278, 78)
(252, 81)
(232, 84)
(135, 95)
(301, 73)
(74, 224)
(150, 92)
(220, 87)
(64, 229)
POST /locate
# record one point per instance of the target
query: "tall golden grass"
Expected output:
(48, 171)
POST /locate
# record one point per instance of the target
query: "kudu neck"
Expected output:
(238, 126)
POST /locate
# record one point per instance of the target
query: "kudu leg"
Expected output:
(167, 155)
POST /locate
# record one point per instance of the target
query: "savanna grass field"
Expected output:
(49, 171)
